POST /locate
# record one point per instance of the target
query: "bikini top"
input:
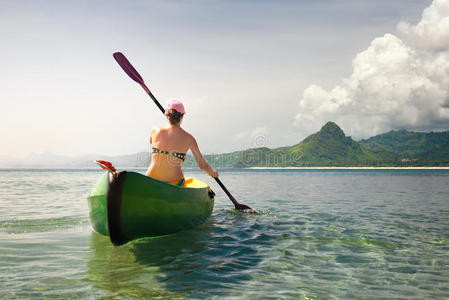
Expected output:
(176, 154)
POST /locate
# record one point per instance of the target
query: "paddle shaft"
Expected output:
(227, 192)
(147, 90)
(236, 204)
(163, 111)
(129, 69)
(156, 102)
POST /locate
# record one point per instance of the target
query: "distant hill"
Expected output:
(49, 160)
(331, 147)
(439, 155)
(406, 143)
(328, 147)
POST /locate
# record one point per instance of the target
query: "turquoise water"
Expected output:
(321, 234)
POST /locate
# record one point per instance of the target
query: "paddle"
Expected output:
(129, 69)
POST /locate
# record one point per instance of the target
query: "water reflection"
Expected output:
(190, 263)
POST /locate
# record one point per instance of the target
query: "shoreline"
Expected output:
(348, 168)
(247, 168)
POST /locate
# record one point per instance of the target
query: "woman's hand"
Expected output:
(213, 173)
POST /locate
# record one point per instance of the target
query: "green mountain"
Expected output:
(407, 143)
(331, 147)
(435, 156)
(325, 148)
(328, 147)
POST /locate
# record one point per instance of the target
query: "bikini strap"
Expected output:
(181, 156)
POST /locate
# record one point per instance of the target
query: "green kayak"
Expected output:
(131, 206)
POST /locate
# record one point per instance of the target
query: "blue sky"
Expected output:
(246, 70)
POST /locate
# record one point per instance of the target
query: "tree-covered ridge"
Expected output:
(407, 143)
(325, 148)
(439, 154)
(331, 147)
(328, 147)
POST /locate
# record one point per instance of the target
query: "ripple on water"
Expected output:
(17, 226)
(305, 241)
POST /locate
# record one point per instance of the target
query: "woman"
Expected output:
(170, 145)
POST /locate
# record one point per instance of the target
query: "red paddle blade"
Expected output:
(127, 67)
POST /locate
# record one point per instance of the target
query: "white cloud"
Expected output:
(393, 84)
(432, 32)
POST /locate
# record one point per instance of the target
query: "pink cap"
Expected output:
(176, 105)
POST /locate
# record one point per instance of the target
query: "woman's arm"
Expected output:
(202, 163)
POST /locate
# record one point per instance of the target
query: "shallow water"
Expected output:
(321, 234)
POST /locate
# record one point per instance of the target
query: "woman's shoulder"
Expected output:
(187, 134)
(157, 129)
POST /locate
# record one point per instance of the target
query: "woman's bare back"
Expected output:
(166, 167)
(171, 140)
